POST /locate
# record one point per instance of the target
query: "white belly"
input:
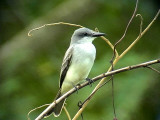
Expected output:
(82, 62)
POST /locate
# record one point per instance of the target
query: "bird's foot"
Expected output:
(90, 81)
(75, 88)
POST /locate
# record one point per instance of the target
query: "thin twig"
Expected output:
(133, 15)
(67, 113)
(52, 24)
(113, 103)
(35, 109)
(138, 38)
(95, 91)
(80, 105)
(110, 44)
(141, 24)
(114, 53)
(153, 69)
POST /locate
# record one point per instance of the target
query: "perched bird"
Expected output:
(77, 63)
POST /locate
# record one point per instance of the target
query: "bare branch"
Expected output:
(52, 24)
(138, 38)
(153, 69)
(36, 109)
(110, 44)
(95, 91)
(67, 113)
(51, 106)
(133, 15)
(141, 24)
(127, 25)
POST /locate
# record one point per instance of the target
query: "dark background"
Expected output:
(30, 66)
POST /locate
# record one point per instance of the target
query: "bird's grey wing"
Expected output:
(64, 68)
(65, 65)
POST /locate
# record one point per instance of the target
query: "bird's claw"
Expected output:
(90, 81)
(75, 88)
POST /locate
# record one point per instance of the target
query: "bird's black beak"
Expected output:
(97, 34)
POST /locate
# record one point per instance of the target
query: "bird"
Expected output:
(77, 63)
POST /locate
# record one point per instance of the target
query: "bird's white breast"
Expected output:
(82, 61)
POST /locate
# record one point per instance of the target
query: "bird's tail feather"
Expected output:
(58, 108)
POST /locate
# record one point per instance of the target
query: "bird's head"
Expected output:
(84, 35)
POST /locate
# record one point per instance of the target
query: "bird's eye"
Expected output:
(85, 34)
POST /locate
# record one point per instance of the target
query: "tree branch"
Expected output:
(51, 106)
(67, 113)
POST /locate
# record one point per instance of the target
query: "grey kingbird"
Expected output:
(77, 63)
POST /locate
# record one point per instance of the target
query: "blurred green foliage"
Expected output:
(30, 67)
